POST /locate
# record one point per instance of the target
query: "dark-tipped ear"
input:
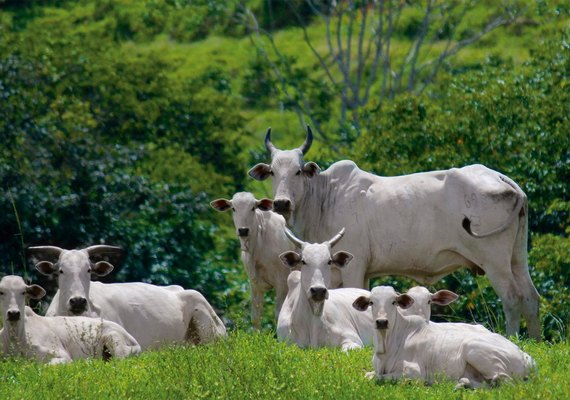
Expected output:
(260, 172)
(405, 301)
(361, 303)
(221, 204)
(46, 268)
(35, 292)
(290, 258)
(342, 258)
(443, 297)
(311, 169)
(102, 268)
(265, 204)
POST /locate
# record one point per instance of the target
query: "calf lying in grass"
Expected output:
(411, 347)
(55, 339)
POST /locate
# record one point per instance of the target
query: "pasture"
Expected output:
(257, 366)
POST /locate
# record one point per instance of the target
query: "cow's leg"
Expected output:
(119, 344)
(506, 288)
(529, 302)
(202, 323)
(280, 295)
(256, 305)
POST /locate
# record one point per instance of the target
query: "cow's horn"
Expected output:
(338, 236)
(308, 141)
(297, 242)
(268, 145)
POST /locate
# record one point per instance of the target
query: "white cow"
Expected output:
(411, 347)
(423, 226)
(262, 238)
(154, 315)
(312, 315)
(55, 339)
(423, 299)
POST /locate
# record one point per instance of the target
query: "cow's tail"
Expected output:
(520, 206)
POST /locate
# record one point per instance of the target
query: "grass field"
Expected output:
(257, 366)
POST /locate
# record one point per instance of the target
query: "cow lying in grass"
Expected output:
(154, 315)
(423, 299)
(411, 347)
(55, 339)
(313, 315)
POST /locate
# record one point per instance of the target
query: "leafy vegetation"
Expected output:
(120, 120)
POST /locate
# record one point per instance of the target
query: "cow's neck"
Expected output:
(14, 337)
(307, 219)
(305, 320)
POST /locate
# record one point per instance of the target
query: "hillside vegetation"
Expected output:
(121, 119)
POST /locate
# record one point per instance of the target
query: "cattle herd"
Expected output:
(423, 226)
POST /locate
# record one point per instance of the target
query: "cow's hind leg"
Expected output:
(202, 323)
(117, 343)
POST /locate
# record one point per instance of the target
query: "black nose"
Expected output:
(13, 315)
(78, 304)
(243, 232)
(282, 205)
(318, 293)
(381, 324)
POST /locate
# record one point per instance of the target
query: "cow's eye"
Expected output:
(370, 303)
(61, 271)
(429, 301)
(303, 262)
(253, 209)
(394, 303)
(271, 173)
(89, 271)
(233, 209)
(329, 262)
(298, 172)
(1, 293)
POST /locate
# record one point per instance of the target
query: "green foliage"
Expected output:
(258, 367)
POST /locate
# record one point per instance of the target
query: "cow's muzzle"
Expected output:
(381, 324)
(77, 305)
(319, 293)
(282, 206)
(243, 232)
(13, 315)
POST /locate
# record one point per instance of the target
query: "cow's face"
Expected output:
(244, 206)
(289, 173)
(73, 269)
(13, 293)
(316, 262)
(384, 302)
(423, 300)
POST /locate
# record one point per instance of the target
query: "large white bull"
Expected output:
(411, 347)
(154, 315)
(262, 237)
(423, 226)
(55, 339)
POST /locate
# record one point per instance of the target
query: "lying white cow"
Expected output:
(423, 299)
(55, 339)
(411, 347)
(423, 226)
(262, 237)
(312, 315)
(154, 315)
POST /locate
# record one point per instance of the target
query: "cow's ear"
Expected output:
(342, 258)
(405, 301)
(311, 169)
(102, 268)
(290, 258)
(221, 204)
(265, 204)
(35, 292)
(46, 268)
(361, 303)
(443, 297)
(260, 172)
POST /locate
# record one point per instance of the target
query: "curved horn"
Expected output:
(268, 145)
(297, 242)
(308, 141)
(338, 236)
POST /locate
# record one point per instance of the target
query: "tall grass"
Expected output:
(257, 366)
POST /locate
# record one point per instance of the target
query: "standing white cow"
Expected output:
(154, 315)
(55, 339)
(262, 237)
(417, 225)
(312, 315)
(423, 299)
(411, 347)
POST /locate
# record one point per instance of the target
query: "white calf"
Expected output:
(55, 339)
(312, 315)
(410, 346)
(423, 300)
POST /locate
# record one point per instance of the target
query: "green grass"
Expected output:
(257, 366)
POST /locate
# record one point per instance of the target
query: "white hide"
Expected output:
(422, 226)
(329, 320)
(56, 339)
(411, 347)
(154, 315)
